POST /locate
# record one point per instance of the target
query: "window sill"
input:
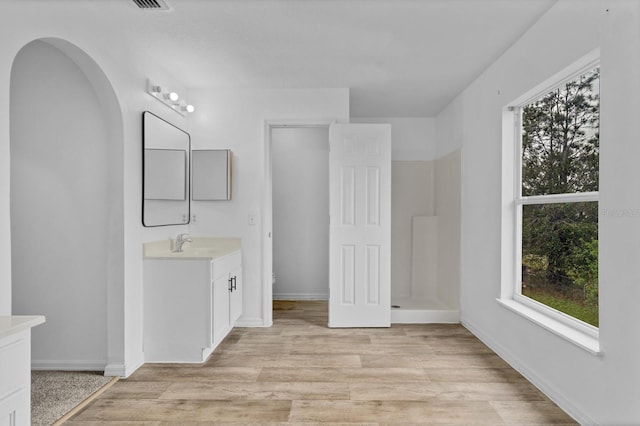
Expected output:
(579, 338)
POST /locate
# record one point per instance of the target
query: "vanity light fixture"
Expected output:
(169, 98)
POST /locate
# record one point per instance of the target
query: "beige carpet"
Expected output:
(55, 393)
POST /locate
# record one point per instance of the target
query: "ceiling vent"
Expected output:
(151, 4)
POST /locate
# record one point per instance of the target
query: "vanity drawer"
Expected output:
(222, 265)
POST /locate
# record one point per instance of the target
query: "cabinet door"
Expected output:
(235, 299)
(16, 409)
(220, 308)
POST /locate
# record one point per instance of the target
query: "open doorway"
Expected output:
(300, 206)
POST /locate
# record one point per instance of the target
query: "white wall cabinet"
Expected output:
(211, 174)
(190, 305)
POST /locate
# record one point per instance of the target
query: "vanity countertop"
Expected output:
(13, 324)
(201, 248)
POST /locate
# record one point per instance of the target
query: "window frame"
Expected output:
(572, 329)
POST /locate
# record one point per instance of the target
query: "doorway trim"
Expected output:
(267, 208)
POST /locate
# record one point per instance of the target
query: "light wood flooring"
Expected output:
(299, 371)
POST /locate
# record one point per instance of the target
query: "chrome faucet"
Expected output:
(180, 240)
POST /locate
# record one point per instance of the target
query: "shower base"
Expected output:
(412, 311)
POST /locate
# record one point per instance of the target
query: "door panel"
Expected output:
(360, 234)
(373, 274)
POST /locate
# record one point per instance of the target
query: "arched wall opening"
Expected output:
(67, 206)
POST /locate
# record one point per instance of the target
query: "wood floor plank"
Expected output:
(263, 348)
(439, 412)
(531, 413)
(171, 374)
(301, 372)
(114, 423)
(395, 391)
(429, 330)
(234, 391)
(337, 339)
(284, 361)
(138, 390)
(184, 411)
(367, 375)
(358, 349)
(494, 391)
(425, 391)
(430, 360)
(473, 375)
(324, 331)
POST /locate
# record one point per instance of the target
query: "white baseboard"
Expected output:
(543, 385)
(119, 370)
(300, 296)
(123, 370)
(66, 365)
(251, 322)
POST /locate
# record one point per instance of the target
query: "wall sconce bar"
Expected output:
(169, 98)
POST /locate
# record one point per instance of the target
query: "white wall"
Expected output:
(236, 119)
(412, 138)
(59, 207)
(125, 72)
(412, 194)
(300, 164)
(122, 87)
(450, 128)
(595, 390)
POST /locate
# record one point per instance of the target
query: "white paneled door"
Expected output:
(360, 225)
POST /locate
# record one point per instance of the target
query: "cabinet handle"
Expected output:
(233, 284)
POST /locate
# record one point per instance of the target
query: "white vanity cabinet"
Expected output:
(235, 296)
(15, 369)
(188, 305)
(226, 274)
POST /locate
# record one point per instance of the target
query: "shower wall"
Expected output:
(447, 205)
(412, 194)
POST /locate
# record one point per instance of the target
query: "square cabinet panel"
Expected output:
(211, 175)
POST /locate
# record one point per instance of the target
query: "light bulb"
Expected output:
(173, 96)
(190, 108)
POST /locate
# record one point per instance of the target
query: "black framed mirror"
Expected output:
(165, 172)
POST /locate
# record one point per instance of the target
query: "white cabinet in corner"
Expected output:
(15, 369)
(188, 306)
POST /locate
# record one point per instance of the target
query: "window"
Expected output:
(556, 203)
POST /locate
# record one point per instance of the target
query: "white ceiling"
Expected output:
(400, 58)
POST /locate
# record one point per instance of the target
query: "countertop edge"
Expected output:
(188, 256)
(14, 324)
